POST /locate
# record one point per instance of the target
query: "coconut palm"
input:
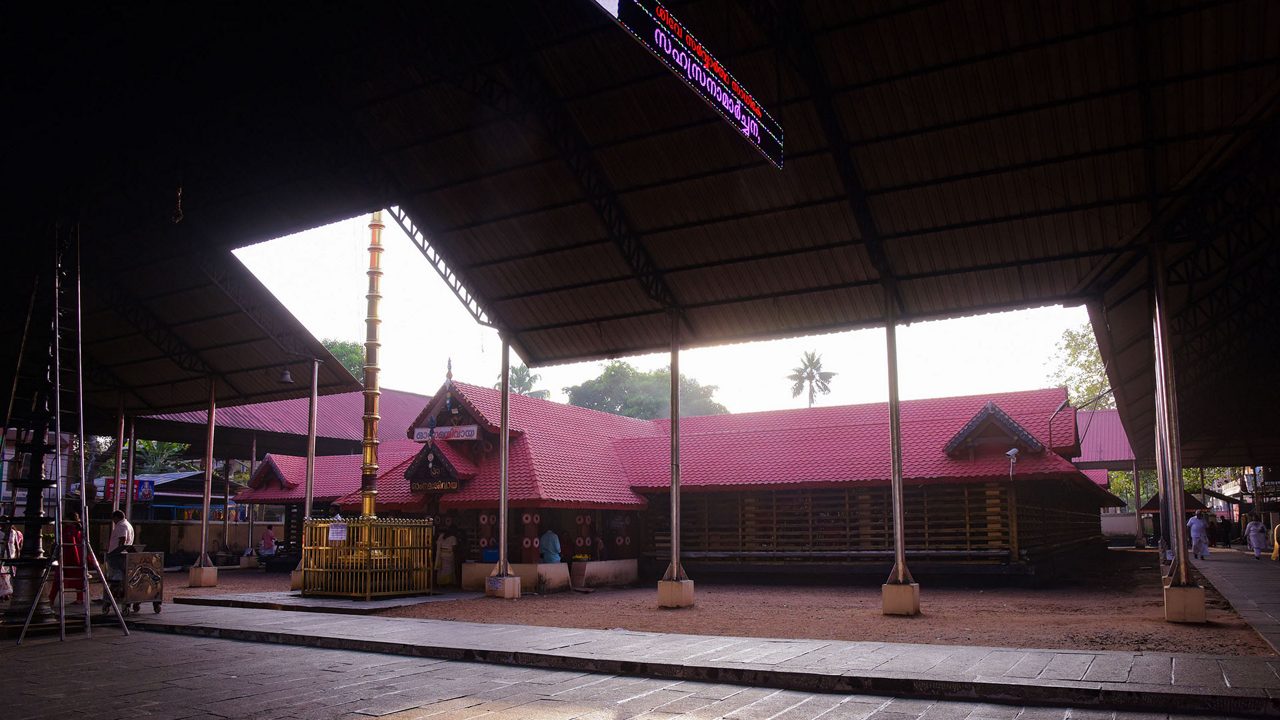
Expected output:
(810, 375)
(522, 381)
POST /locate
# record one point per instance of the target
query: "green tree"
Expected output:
(621, 389)
(349, 353)
(152, 456)
(522, 382)
(1121, 483)
(1078, 366)
(810, 376)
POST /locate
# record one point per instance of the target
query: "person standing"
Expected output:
(446, 546)
(72, 561)
(1256, 535)
(268, 544)
(121, 541)
(1199, 530)
(10, 547)
(549, 546)
(1225, 529)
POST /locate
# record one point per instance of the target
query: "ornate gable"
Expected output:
(992, 424)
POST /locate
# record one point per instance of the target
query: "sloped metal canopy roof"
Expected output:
(954, 156)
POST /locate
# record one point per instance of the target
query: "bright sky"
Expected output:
(320, 276)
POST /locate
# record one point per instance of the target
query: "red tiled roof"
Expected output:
(336, 475)
(567, 455)
(845, 444)
(337, 416)
(1103, 440)
(1098, 476)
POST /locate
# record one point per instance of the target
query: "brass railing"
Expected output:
(365, 558)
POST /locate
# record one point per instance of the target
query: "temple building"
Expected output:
(789, 491)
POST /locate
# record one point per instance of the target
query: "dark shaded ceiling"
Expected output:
(952, 156)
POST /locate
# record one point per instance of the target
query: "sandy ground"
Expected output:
(229, 581)
(1116, 605)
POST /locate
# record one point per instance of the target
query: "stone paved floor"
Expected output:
(293, 600)
(149, 675)
(1099, 679)
(1251, 586)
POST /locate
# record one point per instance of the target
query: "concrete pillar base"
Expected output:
(675, 593)
(1184, 604)
(505, 587)
(202, 577)
(249, 561)
(295, 580)
(900, 599)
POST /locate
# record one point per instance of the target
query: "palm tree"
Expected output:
(810, 375)
(522, 381)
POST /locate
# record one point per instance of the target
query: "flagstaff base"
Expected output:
(1184, 604)
(295, 579)
(505, 587)
(202, 577)
(675, 593)
(900, 599)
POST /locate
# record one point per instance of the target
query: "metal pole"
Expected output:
(83, 471)
(208, 475)
(900, 574)
(57, 445)
(115, 482)
(253, 466)
(311, 439)
(226, 504)
(504, 422)
(675, 571)
(1140, 538)
(1166, 390)
(129, 486)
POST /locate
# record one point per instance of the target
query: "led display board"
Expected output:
(653, 25)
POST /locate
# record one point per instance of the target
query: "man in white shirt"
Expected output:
(121, 538)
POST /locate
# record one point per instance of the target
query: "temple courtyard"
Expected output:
(1111, 604)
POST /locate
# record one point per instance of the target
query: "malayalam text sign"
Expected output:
(448, 432)
(653, 25)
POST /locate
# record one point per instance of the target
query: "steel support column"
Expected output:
(132, 478)
(115, 475)
(1170, 440)
(1140, 537)
(309, 488)
(675, 570)
(208, 476)
(226, 505)
(504, 454)
(253, 466)
(900, 574)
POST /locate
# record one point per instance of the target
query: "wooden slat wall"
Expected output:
(1053, 516)
(955, 520)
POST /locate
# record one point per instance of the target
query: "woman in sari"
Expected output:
(72, 558)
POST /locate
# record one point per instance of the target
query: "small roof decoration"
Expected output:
(991, 415)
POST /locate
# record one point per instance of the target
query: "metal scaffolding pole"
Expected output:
(675, 571)
(208, 476)
(504, 442)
